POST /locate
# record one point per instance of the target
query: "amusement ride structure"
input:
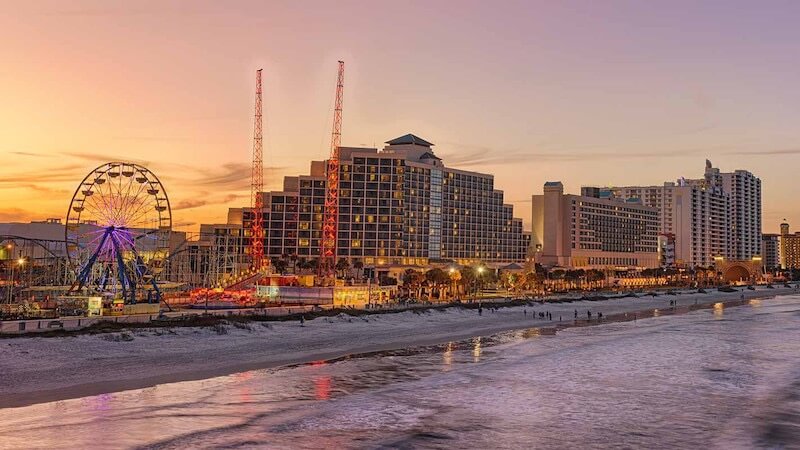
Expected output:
(330, 225)
(117, 232)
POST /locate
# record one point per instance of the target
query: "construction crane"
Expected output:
(257, 186)
(327, 262)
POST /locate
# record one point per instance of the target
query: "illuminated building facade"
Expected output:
(717, 215)
(789, 248)
(593, 231)
(398, 205)
(770, 251)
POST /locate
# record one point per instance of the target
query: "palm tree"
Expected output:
(300, 264)
(436, 278)
(532, 281)
(280, 265)
(358, 265)
(558, 274)
(412, 281)
(311, 264)
(342, 265)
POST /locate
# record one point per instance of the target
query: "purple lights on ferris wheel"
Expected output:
(117, 231)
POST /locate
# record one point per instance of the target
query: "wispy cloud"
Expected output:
(150, 138)
(101, 158)
(189, 204)
(35, 155)
(485, 156)
(17, 215)
(45, 189)
(228, 177)
(785, 151)
(72, 172)
(205, 199)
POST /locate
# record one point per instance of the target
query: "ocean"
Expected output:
(725, 377)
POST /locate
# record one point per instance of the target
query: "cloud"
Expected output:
(149, 138)
(486, 156)
(228, 177)
(74, 173)
(17, 215)
(189, 204)
(785, 151)
(231, 197)
(102, 158)
(45, 189)
(36, 155)
(203, 199)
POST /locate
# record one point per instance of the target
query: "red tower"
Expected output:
(257, 185)
(327, 261)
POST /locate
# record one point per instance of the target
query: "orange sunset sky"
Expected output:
(586, 92)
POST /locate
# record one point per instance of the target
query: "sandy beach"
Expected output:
(36, 369)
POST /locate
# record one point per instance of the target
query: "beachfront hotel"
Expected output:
(399, 205)
(789, 248)
(718, 215)
(593, 230)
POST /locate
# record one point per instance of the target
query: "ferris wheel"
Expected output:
(117, 232)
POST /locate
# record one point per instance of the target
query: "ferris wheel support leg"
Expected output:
(128, 285)
(84, 275)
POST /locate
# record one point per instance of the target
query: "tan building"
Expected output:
(789, 248)
(586, 231)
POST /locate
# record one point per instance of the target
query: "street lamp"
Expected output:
(480, 279)
(20, 263)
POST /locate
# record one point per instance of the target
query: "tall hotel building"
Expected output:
(789, 248)
(593, 230)
(717, 215)
(399, 205)
(745, 191)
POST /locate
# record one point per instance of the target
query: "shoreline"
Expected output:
(153, 357)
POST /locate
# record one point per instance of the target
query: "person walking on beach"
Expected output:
(589, 314)
(302, 320)
(599, 315)
(525, 311)
(576, 313)
(480, 310)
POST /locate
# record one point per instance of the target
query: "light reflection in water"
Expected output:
(447, 356)
(476, 349)
(322, 383)
(754, 302)
(719, 309)
(243, 386)
(322, 387)
(531, 333)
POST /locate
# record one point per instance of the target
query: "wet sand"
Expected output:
(37, 370)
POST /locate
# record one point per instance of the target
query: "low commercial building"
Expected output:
(589, 231)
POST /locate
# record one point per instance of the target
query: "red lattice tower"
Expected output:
(257, 185)
(330, 224)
